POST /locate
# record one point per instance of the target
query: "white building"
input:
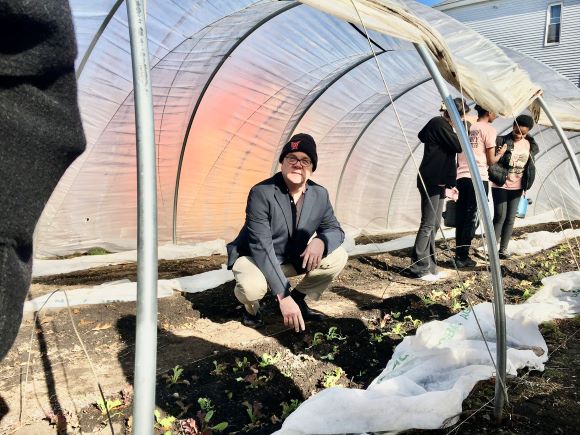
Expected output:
(547, 30)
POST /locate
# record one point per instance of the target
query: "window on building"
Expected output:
(553, 23)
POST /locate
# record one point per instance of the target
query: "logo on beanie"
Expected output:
(294, 145)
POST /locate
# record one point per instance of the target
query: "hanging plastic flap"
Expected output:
(467, 60)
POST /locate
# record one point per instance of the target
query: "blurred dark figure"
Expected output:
(40, 135)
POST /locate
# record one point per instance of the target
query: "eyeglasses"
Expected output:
(305, 163)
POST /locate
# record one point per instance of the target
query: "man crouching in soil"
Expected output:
(283, 214)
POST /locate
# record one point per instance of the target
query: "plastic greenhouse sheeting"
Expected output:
(233, 80)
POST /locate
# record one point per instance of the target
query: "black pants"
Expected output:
(505, 206)
(465, 216)
(423, 257)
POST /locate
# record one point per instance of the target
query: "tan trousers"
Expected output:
(251, 285)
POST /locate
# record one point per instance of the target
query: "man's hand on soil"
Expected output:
(312, 255)
(291, 313)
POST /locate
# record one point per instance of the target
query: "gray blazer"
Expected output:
(268, 236)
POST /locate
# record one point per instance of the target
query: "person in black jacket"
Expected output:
(40, 135)
(512, 175)
(438, 170)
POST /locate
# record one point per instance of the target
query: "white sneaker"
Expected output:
(430, 277)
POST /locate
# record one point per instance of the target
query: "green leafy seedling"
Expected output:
(333, 334)
(331, 378)
(318, 338)
(175, 375)
(241, 364)
(205, 404)
(330, 355)
(206, 414)
(260, 380)
(377, 337)
(109, 405)
(437, 295)
(253, 411)
(415, 322)
(527, 288)
(289, 408)
(457, 306)
(166, 423)
(457, 291)
(220, 427)
(427, 301)
(219, 368)
(398, 329)
(269, 360)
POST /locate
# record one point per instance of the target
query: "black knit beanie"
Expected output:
(304, 143)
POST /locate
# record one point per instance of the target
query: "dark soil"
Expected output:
(252, 389)
(167, 269)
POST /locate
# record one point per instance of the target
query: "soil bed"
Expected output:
(213, 371)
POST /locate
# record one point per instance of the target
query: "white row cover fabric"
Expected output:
(533, 243)
(118, 291)
(125, 290)
(232, 81)
(431, 373)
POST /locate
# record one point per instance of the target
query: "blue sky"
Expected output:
(428, 2)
